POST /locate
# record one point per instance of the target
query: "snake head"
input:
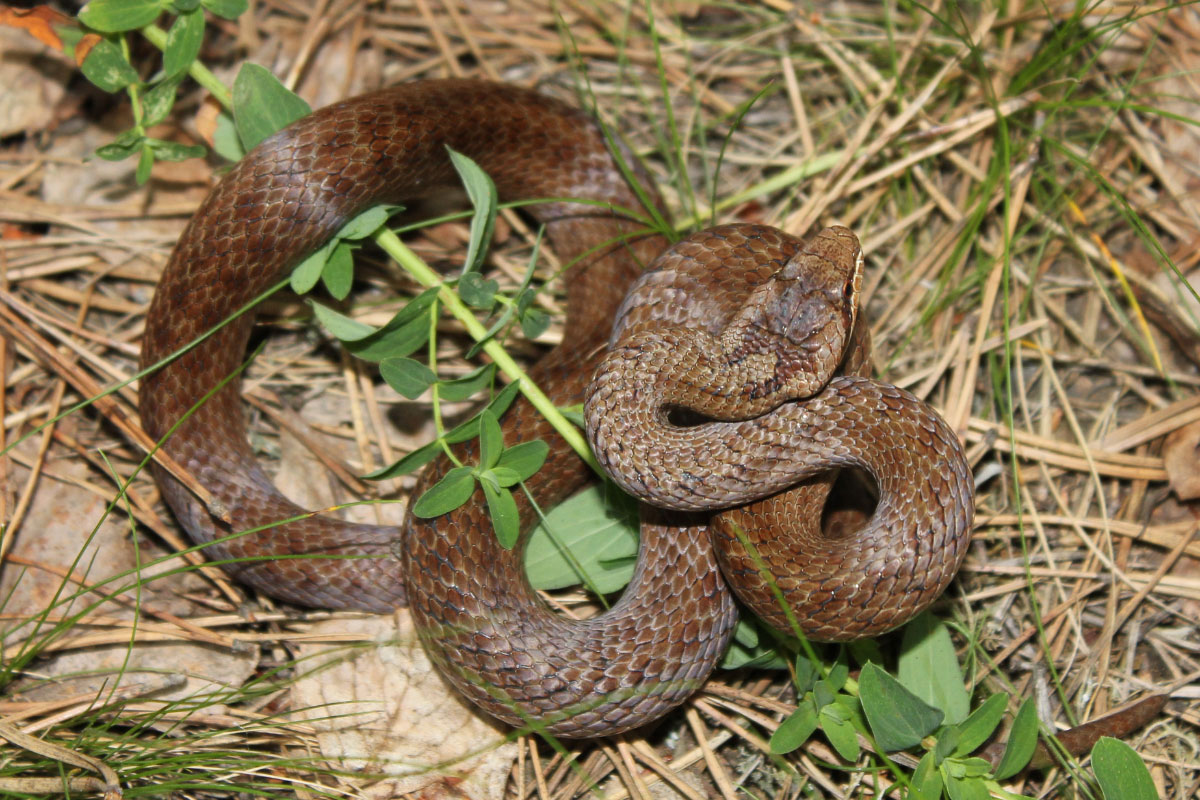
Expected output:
(804, 315)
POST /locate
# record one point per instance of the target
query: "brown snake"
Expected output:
(481, 622)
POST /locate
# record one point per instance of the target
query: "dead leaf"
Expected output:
(32, 83)
(66, 532)
(1181, 459)
(381, 707)
(40, 22)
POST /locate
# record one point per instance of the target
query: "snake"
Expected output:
(723, 386)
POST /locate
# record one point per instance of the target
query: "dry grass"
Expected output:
(1024, 186)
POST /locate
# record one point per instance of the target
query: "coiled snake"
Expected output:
(481, 622)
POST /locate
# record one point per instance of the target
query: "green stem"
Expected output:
(158, 37)
(413, 264)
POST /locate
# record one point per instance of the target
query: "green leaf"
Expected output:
(1022, 740)
(534, 323)
(1120, 771)
(338, 274)
(491, 439)
(183, 42)
(574, 414)
(262, 105)
(497, 326)
(482, 192)
(184, 6)
(738, 657)
(745, 633)
(306, 274)
(971, 767)
(175, 151)
(157, 102)
(898, 718)
(368, 222)
(835, 722)
(408, 377)
(454, 489)
(926, 780)
(114, 16)
(794, 731)
(524, 459)
(122, 147)
(333, 262)
(409, 463)
(978, 728)
(226, 142)
(838, 674)
(752, 650)
(461, 433)
(947, 740)
(865, 650)
(477, 292)
(929, 668)
(807, 674)
(500, 403)
(502, 509)
(596, 526)
(966, 788)
(503, 477)
(526, 296)
(403, 333)
(822, 694)
(145, 164)
(107, 67)
(343, 327)
(226, 9)
(468, 385)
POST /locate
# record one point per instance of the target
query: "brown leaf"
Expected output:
(39, 21)
(1181, 459)
(381, 707)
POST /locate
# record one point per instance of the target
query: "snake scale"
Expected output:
(663, 435)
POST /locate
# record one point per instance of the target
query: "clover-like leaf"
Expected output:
(115, 16)
(1022, 741)
(524, 459)
(408, 377)
(794, 731)
(978, 728)
(262, 105)
(338, 273)
(928, 667)
(468, 385)
(482, 192)
(454, 489)
(157, 102)
(403, 333)
(226, 9)
(898, 718)
(183, 42)
(502, 509)
(368, 222)
(476, 291)
(834, 720)
(491, 439)
(106, 66)
(1120, 771)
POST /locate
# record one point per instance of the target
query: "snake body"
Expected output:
(477, 615)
